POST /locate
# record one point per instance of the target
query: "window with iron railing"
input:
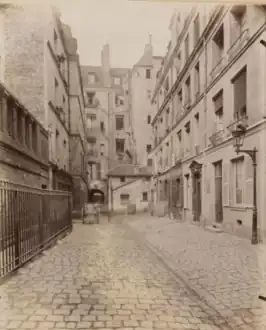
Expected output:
(34, 136)
(119, 122)
(120, 146)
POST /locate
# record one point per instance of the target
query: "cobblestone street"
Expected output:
(226, 271)
(101, 277)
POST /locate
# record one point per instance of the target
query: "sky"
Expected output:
(124, 24)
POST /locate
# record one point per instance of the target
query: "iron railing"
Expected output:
(31, 220)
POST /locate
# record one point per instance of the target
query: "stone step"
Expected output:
(214, 228)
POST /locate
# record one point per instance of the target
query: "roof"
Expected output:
(119, 71)
(129, 170)
(145, 60)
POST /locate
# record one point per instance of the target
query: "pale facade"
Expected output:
(142, 83)
(107, 117)
(220, 75)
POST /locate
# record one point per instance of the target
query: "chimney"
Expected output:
(106, 64)
(148, 47)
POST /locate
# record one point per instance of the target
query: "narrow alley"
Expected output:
(101, 277)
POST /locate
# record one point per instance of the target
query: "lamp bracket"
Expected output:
(252, 153)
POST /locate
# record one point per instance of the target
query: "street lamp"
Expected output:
(238, 131)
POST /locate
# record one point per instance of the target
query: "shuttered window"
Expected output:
(218, 101)
(240, 93)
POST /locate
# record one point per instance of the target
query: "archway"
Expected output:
(96, 196)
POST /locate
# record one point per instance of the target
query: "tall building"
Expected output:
(40, 65)
(109, 141)
(142, 83)
(77, 126)
(217, 65)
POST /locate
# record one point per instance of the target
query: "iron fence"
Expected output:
(30, 220)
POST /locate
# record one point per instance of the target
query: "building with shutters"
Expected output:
(217, 69)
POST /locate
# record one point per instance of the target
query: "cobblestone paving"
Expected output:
(225, 270)
(100, 277)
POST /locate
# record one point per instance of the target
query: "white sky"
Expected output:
(124, 24)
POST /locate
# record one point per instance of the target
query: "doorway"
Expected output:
(197, 197)
(218, 192)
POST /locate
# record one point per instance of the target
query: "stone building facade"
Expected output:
(35, 68)
(216, 74)
(77, 126)
(142, 83)
(107, 116)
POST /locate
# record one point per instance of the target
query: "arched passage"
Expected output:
(96, 196)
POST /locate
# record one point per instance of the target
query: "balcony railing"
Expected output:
(238, 44)
(217, 137)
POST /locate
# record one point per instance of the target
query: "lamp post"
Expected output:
(238, 134)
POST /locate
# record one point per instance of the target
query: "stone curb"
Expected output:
(202, 294)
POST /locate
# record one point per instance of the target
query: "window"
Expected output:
(34, 136)
(149, 119)
(19, 125)
(148, 73)
(10, 120)
(218, 109)
(197, 80)
(149, 162)
(166, 84)
(122, 179)
(188, 91)
(148, 148)
(117, 80)
(186, 201)
(126, 92)
(196, 30)
(64, 143)
(91, 116)
(91, 78)
(187, 137)
(27, 131)
(102, 126)
(121, 102)
(180, 97)
(240, 94)
(144, 196)
(120, 146)
(55, 41)
(218, 46)
(55, 92)
(238, 166)
(116, 100)
(187, 47)
(102, 149)
(124, 198)
(237, 22)
(119, 122)
(90, 97)
(148, 94)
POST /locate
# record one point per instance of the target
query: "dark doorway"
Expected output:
(96, 196)
(218, 192)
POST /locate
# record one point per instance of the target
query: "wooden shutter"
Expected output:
(248, 192)
(231, 182)
(240, 90)
(226, 199)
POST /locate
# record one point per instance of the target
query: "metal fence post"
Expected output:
(17, 232)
